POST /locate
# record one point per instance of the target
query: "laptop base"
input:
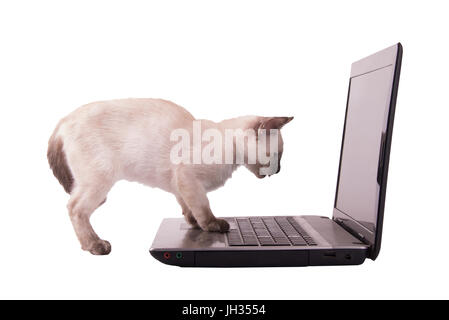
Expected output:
(178, 244)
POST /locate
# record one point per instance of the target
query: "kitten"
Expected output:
(103, 142)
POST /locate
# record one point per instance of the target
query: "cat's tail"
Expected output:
(58, 162)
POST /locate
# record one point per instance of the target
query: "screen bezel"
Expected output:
(391, 56)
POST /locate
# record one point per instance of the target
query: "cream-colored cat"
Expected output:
(104, 142)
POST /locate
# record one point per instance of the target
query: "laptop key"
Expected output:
(250, 239)
(282, 241)
(266, 241)
(262, 233)
(298, 241)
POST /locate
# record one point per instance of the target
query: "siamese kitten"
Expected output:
(104, 142)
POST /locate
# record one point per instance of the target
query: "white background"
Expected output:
(220, 60)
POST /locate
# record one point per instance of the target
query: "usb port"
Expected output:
(330, 254)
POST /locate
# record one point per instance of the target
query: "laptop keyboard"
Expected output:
(268, 231)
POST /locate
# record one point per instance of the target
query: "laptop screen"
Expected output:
(358, 189)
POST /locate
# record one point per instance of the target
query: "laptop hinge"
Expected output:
(358, 235)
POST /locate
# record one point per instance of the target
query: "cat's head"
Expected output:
(268, 136)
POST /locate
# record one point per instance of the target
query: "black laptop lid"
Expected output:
(362, 179)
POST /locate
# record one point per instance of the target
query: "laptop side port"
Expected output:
(337, 257)
(330, 254)
(175, 258)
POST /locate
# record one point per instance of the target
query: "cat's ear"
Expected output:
(268, 123)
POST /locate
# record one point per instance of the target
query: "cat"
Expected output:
(103, 142)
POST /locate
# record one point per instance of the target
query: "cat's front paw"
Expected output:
(218, 225)
(100, 247)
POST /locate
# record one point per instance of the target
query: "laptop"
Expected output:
(354, 232)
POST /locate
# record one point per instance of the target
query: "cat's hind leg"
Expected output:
(83, 202)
